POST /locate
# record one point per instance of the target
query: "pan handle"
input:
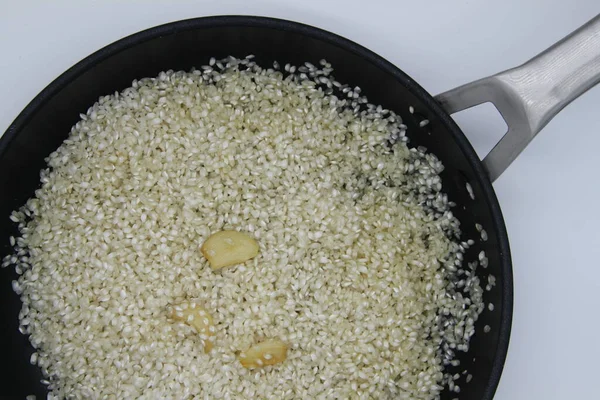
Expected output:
(530, 95)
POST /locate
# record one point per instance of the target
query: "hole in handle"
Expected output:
(483, 125)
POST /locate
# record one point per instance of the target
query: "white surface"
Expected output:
(548, 196)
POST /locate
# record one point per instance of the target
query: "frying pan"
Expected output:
(527, 97)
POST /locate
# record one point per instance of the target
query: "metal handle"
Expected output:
(530, 95)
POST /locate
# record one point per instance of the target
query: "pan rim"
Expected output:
(411, 85)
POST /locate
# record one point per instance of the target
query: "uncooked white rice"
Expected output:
(358, 246)
(470, 191)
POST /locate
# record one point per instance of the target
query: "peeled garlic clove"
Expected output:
(226, 248)
(269, 352)
(197, 317)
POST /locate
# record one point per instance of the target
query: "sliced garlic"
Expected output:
(226, 248)
(197, 317)
(269, 352)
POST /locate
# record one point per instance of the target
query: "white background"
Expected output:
(549, 196)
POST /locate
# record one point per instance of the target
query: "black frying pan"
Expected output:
(47, 120)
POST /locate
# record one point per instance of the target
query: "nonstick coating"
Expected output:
(47, 120)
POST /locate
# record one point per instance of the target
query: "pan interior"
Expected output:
(46, 122)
